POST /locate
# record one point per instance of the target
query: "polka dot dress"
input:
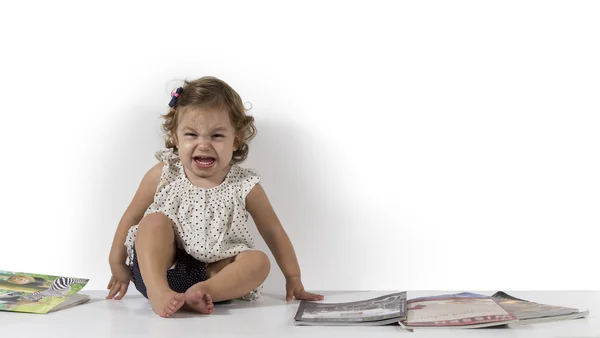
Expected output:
(210, 223)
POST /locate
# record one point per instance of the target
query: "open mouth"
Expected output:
(204, 161)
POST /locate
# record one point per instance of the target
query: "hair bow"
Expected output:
(174, 97)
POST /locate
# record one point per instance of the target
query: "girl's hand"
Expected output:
(295, 289)
(119, 282)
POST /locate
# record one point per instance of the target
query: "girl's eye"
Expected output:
(190, 134)
(218, 135)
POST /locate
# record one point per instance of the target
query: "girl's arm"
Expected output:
(142, 199)
(271, 230)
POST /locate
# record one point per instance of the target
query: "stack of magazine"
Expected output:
(36, 293)
(457, 310)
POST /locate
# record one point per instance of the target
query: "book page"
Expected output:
(72, 301)
(459, 311)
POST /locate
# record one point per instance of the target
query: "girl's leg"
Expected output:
(229, 279)
(155, 250)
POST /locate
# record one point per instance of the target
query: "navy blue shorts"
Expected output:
(187, 272)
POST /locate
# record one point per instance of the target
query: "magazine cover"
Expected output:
(530, 312)
(382, 310)
(461, 310)
(36, 293)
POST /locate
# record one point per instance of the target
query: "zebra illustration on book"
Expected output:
(59, 288)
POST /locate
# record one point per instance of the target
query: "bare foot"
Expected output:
(198, 301)
(166, 303)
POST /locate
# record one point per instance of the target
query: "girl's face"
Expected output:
(205, 139)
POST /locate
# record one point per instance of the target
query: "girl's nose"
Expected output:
(203, 142)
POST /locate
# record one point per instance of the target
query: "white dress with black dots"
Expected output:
(210, 223)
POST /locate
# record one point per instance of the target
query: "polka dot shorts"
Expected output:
(186, 272)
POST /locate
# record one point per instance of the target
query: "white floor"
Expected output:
(269, 317)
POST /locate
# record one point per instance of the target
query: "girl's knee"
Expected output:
(155, 221)
(155, 229)
(260, 260)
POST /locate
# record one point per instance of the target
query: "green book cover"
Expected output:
(37, 293)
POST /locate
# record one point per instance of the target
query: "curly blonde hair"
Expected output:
(211, 92)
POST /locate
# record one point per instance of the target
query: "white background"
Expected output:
(405, 146)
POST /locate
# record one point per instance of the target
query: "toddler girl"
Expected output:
(183, 239)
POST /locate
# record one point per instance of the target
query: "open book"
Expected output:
(459, 310)
(36, 293)
(530, 312)
(382, 310)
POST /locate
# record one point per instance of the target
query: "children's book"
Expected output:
(383, 310)
(460, 310)
(36, 293)
(530, 312)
